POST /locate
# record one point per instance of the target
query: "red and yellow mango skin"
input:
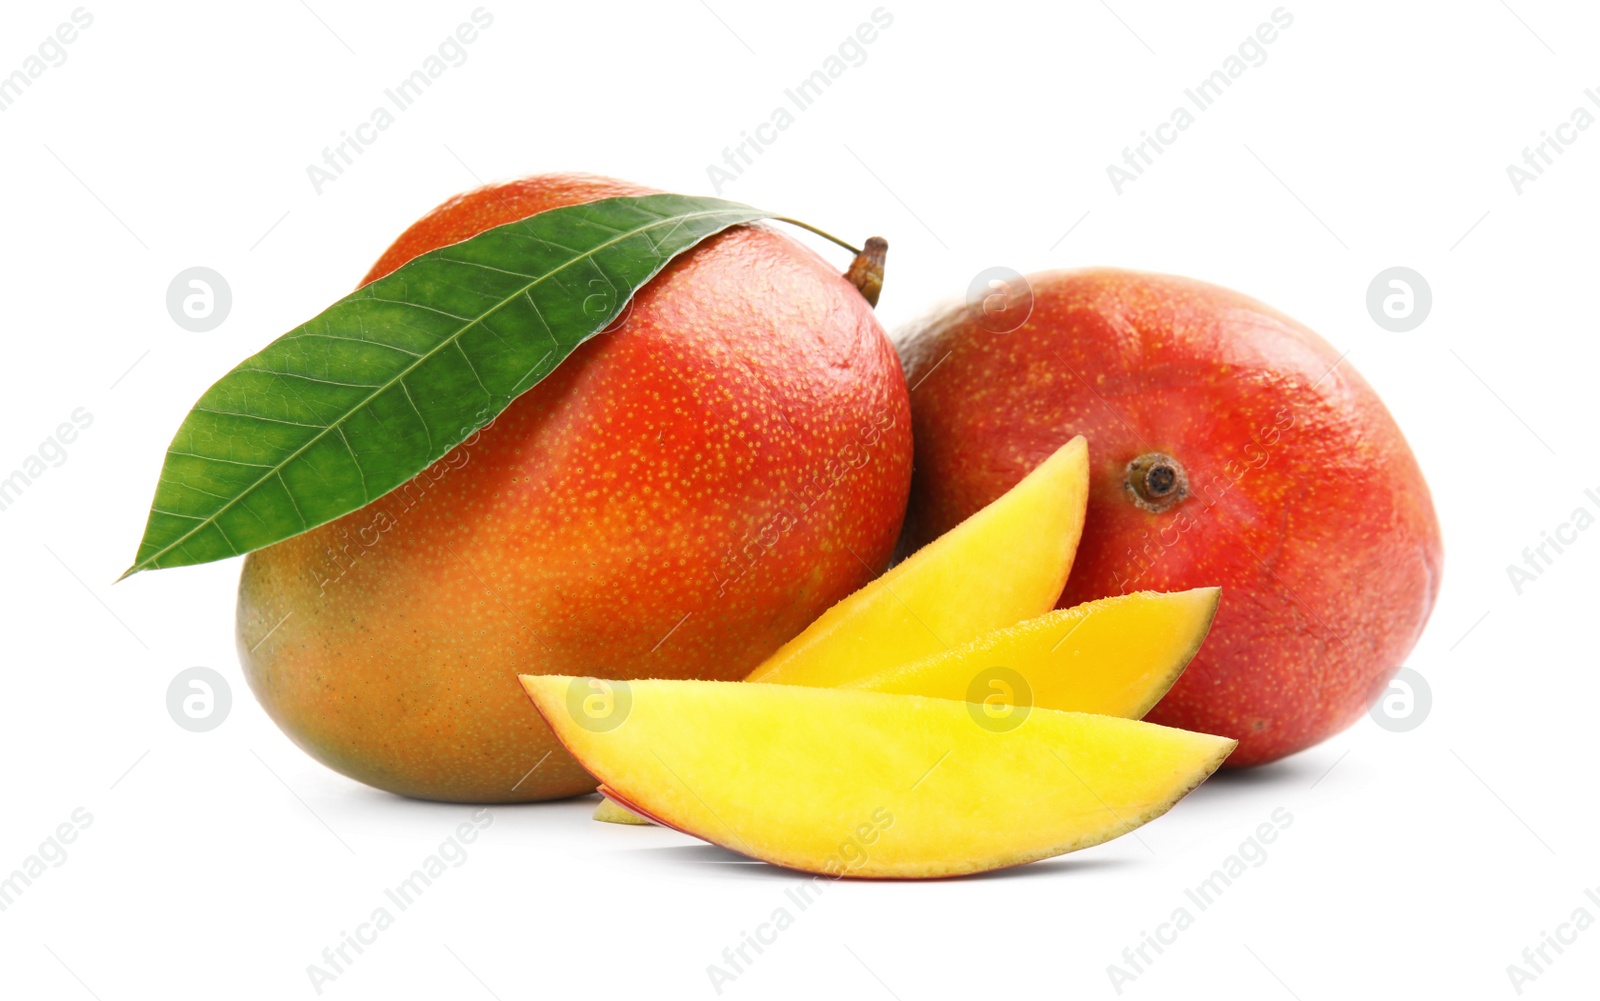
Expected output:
(1305, 504)
(677, 499)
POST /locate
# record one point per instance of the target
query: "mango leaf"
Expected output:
(386, 381)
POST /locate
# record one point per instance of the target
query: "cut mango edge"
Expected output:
(1021, 546)
(1114, 656)
(862, 784)
(609, 811)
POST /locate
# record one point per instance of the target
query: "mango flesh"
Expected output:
(677, 499)
(1117, 657)
(868, 784)
(1007, 562)
(609, 811)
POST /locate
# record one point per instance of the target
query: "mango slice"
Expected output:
(854, 783)
(611, 812)
(1006, 563)
(1117, 656)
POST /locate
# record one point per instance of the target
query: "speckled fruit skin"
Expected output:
(1306, 505)
(680, 497)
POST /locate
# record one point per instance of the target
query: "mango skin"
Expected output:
(680, 497)
(1307, 506)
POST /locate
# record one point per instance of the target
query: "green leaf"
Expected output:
(350, 405)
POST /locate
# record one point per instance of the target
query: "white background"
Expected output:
(221, 864)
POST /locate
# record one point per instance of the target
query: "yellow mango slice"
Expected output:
(1117, 656)
(1006, 563)
(869, 784)
(611, 812)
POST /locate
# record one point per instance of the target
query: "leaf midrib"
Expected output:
(379, 390)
